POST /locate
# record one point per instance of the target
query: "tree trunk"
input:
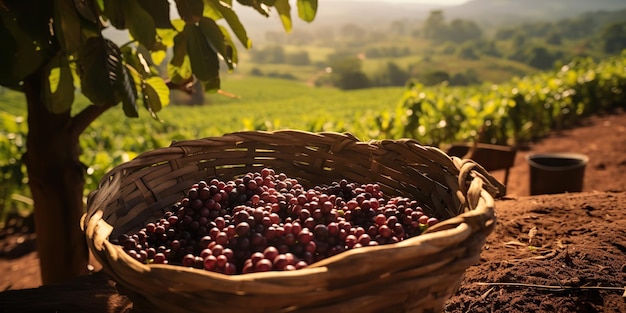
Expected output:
(56, 181)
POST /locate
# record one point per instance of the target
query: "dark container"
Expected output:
(552, 173)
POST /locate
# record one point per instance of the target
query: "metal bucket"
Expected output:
(552, 173)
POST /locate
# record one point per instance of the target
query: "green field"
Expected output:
(270, 104)
(421, 60)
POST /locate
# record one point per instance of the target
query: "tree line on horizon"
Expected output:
(539, 45)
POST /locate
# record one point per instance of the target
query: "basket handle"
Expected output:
(470, 171)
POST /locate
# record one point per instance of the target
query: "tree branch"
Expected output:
(83, 119)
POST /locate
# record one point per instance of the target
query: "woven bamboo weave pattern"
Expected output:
(414, 275)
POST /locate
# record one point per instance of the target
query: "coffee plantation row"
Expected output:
(509, 113)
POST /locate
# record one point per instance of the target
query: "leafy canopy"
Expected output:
(65, 39)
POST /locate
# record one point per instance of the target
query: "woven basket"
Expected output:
(414, 275)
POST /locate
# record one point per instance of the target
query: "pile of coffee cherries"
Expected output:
(265, 221)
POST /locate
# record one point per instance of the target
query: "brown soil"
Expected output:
(580, 244)
(575, 262)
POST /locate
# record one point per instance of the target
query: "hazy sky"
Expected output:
(443, 2)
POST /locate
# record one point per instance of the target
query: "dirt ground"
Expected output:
(574, 262)
(580, 244)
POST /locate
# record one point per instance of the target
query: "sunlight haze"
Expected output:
(441, 2)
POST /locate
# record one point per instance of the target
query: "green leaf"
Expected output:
(180, 49)
(33, 18)
(136, 61)
(140, 24)
(156, 94)
(166, 36)
(230, 45)
(178, 24)
(219, 9)
(105, 80)
(179, 68)
(190, 10)
(151, 100)
(58, 85)
(256, 5)
(161, 88)
(97, 72)
(211, 11)
(21, 55)
(122, 81)
(114, 11)
(67, 25)
(158, 57)
(204, 62)
(284, 10)
(86, 9)
(136, 76)
(89, 29)
(180, 75)
(213, 85)
(233, 22)
(215, 37)
(100, 4)
(128, 92)
(159, 10)
(307, 10)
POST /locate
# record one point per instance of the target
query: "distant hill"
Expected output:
(335, 13)
(514, 11)
(372, 13)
